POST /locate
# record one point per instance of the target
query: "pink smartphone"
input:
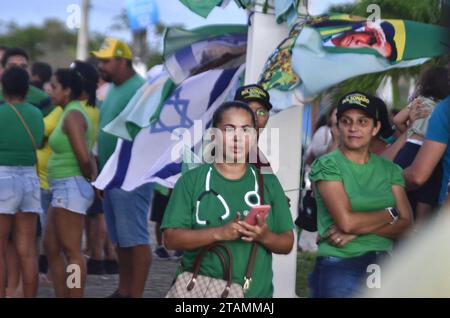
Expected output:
(261, 210)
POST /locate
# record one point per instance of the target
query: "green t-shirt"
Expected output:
(16, 147)
(368, 187)
(63, 162)
(115, 101)
(38, 98)
(181, 213)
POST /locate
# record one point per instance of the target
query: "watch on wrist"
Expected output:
(394, 214)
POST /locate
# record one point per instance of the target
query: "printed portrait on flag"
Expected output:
(328, 49)
(345, 32)
(377, 36)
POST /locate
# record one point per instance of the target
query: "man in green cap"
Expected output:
(126, 212)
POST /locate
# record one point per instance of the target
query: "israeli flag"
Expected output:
(156, 154)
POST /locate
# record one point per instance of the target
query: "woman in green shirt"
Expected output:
(361, 201)
(209, 203)
(20, 200)
(69, 171)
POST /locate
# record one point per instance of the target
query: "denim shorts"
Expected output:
(335, 277)
(74, 194)
(19, 190)
(126, 215)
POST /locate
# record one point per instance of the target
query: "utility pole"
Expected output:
(264, 35)
(140, 46)
(82, 43)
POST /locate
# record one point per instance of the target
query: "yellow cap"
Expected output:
(112, 48)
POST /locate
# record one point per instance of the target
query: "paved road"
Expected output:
(160, 277)
(99, 286)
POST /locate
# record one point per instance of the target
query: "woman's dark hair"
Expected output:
(322, 121)
(222, 109)
(325, 118)
(386, 129)
(43, 71)
(434, 83)
(89, 78)
(70, 79)
(328, 115)
(15, 82)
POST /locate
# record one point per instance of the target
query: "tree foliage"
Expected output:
(51, 42)
(152, 55)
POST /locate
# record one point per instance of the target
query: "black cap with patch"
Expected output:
(359, 101)
(253, 93)
(373, 106)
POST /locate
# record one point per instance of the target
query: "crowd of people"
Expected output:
(371, 180)
(52, 121)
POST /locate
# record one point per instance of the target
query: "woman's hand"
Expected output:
(94, 169)
(338, 238)
(191, 239)
(418, 110)
(257, 233)
(230, 231)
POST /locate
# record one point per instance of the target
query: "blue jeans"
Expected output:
(335, 277)
(126, 215)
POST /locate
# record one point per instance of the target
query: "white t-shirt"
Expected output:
(320, 141)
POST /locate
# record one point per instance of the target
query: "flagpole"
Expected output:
(264, 35)
(262, 28)
(82, 41)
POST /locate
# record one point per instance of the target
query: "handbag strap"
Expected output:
(24, 125)
(252, 259)
(261, 186)
(226, 265)
(250, 267)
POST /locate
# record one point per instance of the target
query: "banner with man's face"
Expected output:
(394, 40)
(332, 48)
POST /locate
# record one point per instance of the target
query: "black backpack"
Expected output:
(307, 215)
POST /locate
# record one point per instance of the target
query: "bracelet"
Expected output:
(394, 215)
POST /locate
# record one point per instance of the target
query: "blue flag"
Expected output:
(141, 14)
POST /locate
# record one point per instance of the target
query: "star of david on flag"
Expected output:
(180, 105)
(150, 156)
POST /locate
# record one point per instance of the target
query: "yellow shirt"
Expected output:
(43, 154)
(94, 116)
(50, 122)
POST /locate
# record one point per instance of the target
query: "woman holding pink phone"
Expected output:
(257, 213)
(209, 205)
